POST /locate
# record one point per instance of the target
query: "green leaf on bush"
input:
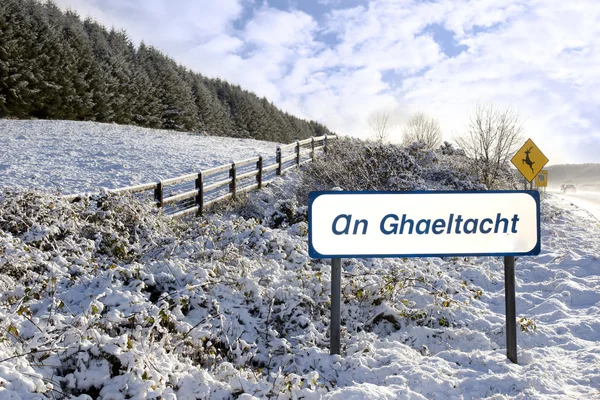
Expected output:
(13, 331)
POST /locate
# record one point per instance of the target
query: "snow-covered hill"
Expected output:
(75, 157)
(586, 176)
(106, 298)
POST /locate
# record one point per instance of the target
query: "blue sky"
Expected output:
(339, 61)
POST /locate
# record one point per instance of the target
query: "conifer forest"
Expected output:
(54, 65)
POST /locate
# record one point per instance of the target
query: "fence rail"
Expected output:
(194, 193)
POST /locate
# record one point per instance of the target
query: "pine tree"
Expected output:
(19, 23)
(129, 81)
(177, 108)
(216, 116)
(104, 83)
(148, 106)
(58, 66)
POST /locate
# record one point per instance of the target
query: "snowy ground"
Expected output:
(105, 298)
(76, 157)
(227, 306)
(588, 201)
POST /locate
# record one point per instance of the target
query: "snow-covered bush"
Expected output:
(507, 177)
(275, 206)
(353, 164)
(102, 226)
(107, 298)
(287, 212)
(225, 306)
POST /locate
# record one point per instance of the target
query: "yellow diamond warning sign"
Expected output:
(529, 160)
(541, 180)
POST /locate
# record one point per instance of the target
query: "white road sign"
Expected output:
(420, 224)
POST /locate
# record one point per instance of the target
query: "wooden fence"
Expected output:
(193, 193)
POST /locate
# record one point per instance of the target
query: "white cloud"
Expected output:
(272, 27)
(540, 56)
(465, 15)
(162, 23)
(524, 63)
(329, 2)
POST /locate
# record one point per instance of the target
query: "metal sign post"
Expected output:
(511, 313)
(336, 295)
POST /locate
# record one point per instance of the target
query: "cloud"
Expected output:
(273, 27)
(465, 16)
(330, 2)
(162, 23)
(537, 61)
(539, 56)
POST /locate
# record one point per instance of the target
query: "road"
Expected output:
(589, 201)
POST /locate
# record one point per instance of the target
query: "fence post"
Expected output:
(325, 144)
(259, 167)
(312, 148)
(200, 195)
(278, 159)
(232, 175)
(158, 193)
(298, 153)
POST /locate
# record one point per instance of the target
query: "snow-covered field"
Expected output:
(105, 298)
(227, 307)
(76, 157)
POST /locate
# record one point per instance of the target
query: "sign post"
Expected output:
(424, 224)
(510, 303)
(336, 301)
(529, 160)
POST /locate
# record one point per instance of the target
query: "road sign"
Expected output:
(541, 180)
(421, 224)
(529, 160)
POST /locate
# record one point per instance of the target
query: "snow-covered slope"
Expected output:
(103, 298)
(76, 157)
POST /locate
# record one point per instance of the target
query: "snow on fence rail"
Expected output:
(193, 193)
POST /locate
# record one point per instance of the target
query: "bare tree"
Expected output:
(491, 140)
(422, 128)
(380, 124)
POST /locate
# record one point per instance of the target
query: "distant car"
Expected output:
(568, 188)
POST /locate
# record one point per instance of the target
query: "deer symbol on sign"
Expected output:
(527, 160)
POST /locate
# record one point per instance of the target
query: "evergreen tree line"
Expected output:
(54, 66)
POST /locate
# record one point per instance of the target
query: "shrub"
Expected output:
(100, 226)
(352, 164)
